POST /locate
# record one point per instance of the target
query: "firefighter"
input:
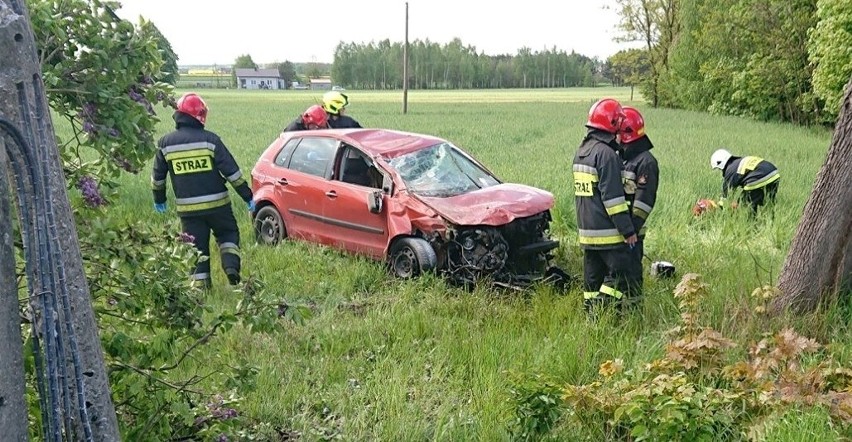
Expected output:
(199, 165)
(606, 232)
(641, 177)
(334, 103)
(757, 177)
(313, 118)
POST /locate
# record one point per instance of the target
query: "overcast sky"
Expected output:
(208, 32)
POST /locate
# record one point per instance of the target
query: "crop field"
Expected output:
(385, 359)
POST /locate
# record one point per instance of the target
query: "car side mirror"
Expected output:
(387, 184)
(374, 201)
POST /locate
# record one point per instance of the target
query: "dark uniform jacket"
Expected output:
(199, 164)
(603, 217)
(750, 173)
(342, 122)
(295, 125)
(641, 178)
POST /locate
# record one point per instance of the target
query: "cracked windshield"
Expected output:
(441, 171)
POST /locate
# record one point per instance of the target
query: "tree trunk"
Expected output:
(49, 225)
(13, 405)
(819, 263)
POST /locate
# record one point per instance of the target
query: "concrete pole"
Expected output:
(24, 104)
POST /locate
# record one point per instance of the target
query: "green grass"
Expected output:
(410, 360)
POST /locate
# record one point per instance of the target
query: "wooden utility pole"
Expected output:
(405, 66)
(69, 364)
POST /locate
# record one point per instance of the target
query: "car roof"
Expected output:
(380, 142)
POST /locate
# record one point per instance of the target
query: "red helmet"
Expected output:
(315, 118)
(633, 126)
(606, 114)
(192, 105)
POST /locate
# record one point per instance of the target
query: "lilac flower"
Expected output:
(135, 96)
(113, 132)
(89, 188)
(186, 237)
(161, 96)
(222, 438)
(89, 109)
(88, 127)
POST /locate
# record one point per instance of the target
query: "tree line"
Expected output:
(781, 60)
(378, 65)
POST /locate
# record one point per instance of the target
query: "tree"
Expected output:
(242, 62)
(286, 70)
(819, 262)
(828, 49)
(629, 66)
(170, 66)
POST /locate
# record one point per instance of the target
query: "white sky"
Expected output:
(208, 32)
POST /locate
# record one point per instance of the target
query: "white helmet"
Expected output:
(719, 159)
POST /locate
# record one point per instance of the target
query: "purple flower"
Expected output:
(89, 188)
(222, 438)
(161, 96)
(135, 96)
(89, 109)
(88, 127)
(113, 132)
(186, 237)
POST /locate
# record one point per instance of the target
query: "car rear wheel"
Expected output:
(269, 228)
(411, 257)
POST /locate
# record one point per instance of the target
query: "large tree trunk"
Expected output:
(54, 264)
(819, 263)
(13, 406)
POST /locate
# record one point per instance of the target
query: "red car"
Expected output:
(417, 201)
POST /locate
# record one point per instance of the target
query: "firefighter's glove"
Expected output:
(250, 205)
(160, 207)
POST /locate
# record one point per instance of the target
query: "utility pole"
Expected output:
(69, 369)
(405, 66)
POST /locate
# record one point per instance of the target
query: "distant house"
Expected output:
(259, 79)
(322, 83)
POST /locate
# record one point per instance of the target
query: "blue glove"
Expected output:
(250, 205)
(160, 207)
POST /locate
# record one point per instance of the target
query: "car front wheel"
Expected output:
(411, 257)
(269, 227)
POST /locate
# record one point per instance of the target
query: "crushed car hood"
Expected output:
(492, 206)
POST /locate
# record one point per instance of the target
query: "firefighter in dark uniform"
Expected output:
(641, 177)
(606, 232)
(313, 118)
(334, 103)
(757, 177)
(199, 165)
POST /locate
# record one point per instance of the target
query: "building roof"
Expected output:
(265, 73)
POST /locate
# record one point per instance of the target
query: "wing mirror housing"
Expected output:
(374, 201)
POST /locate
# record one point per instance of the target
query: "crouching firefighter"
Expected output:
(641, 177)
(606, 232)
(199, 164)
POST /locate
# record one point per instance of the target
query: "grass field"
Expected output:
(384, 359)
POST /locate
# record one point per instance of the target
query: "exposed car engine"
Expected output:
(516, 253)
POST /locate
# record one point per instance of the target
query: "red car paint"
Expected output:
(326, 210)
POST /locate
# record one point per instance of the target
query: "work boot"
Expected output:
(233, 276)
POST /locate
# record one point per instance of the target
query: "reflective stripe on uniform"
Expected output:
(229, 247)
(202, 202)
(616, 205)
(642, 206)
(748, 164)
(200, 276)
(236, 179)
(189, 146)
(590, 295)
(768, 179)
(600, 237)
(194, 153)
(582, 168)
(607, 290)
(158, 184)
(628, 175)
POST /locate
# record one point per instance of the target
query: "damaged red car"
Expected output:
(415, 201)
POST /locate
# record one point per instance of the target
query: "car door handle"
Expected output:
(283, 181)
(331, 194)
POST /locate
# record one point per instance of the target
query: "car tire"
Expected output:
(269, 228)
(411, 257)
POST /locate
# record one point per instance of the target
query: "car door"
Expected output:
(345, 207)
(302, 186)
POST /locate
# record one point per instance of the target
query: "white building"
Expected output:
(259, 79)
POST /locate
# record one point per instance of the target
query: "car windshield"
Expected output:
(441, 170)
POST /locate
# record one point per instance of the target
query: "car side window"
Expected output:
(355, 167)
(313, 156)
(284, 154)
